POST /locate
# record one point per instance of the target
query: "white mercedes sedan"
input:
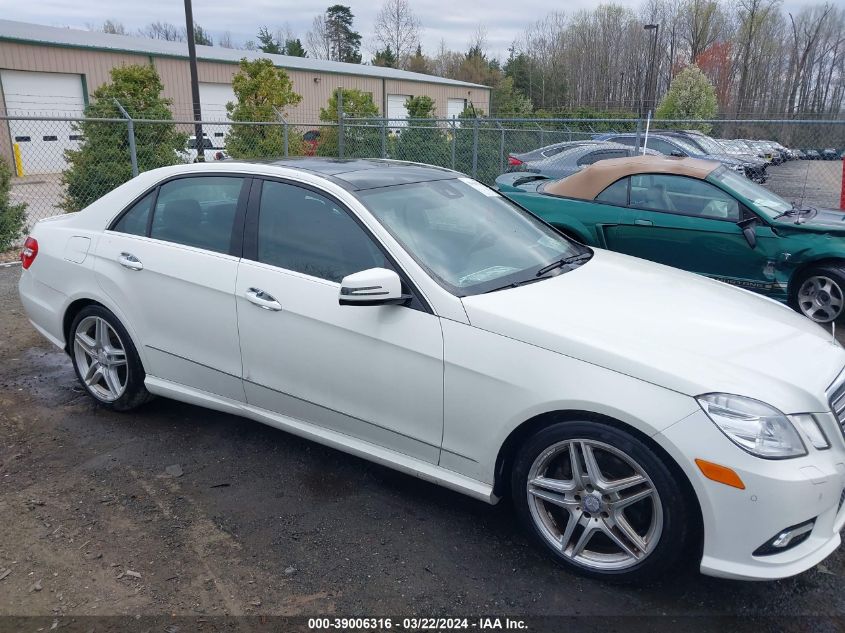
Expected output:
(638, 416)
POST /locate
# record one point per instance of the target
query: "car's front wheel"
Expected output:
(601, 501)
(105, 360)
(819, 293)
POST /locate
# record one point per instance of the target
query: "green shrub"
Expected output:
(103, 161)
(12, 216)
(361, 138)
(262, 91)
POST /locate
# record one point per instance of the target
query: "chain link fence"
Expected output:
(63, 164)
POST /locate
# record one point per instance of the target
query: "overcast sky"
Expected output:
(454, 22)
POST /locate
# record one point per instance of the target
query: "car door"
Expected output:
(167, 262)
(691, 224)
(370, 372)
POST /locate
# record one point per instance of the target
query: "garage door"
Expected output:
(213, 100)
(396, 110)
(43, 143)
(455, 107)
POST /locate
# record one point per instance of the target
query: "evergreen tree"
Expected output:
(202, 37)
(294, 48)
(102, 161)
(422, 141)
(267, 43)
(361, 139)
(345, 42)
(262, 90)
(385, 58)
(12, 216)
(419, 63)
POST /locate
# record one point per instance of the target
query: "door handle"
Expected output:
(128, 260)
(262, 299)
(640, 222)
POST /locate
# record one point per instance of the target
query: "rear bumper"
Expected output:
(778, 494)
(44, 307)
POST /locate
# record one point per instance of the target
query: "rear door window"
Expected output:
(198, 211)
(134, 220)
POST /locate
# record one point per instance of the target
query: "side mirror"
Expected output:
(373, 287)
(748, 231)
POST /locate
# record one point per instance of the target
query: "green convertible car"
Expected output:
(699, 216)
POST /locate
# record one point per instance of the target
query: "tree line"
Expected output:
(761, 59)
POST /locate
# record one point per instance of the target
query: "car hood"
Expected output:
(674, 329)
(824, 220)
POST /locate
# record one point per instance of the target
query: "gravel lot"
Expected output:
(817, 183)
(177, 510)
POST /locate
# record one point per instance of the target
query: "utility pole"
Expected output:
(195, 85)
(650, 88)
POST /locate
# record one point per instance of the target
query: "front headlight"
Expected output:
(754, 426)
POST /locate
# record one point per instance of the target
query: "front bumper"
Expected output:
(778, 494)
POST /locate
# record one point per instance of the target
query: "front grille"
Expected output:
(837, 401)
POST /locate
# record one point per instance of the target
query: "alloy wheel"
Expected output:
(594, 504)
(821, 299)
(101, 358)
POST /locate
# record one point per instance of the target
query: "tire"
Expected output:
(101, 350)
(559, 509)
(819, 293)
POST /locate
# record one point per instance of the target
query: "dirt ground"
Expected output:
(175, 510)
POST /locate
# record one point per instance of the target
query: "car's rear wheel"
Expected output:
(105, 360)
(601, 501)
(819, 293)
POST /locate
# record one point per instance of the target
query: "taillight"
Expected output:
(513, 162)
(30, 250)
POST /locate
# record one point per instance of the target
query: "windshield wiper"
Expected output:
(517, 284)
(796, 212)
(566, 261)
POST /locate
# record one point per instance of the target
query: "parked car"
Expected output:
(704, 218)
(765, 151)
(715, 150)
(516, 161)
(787, 153)
(209, 150)
(829, 153)
(669, 145)
(414, 317)
(574, 158)
(799, 154)
(311, 140)
(812, 154)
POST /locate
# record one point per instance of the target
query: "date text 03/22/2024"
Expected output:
(418, 624)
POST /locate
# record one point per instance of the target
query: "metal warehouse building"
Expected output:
(47, 71)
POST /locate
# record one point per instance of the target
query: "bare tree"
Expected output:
(163, 31)
(225, 40)
(805, 35)
(319, 39)
(114, 27)
(397, 28)
(701, 25)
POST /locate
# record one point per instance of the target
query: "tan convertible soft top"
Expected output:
(591, 181)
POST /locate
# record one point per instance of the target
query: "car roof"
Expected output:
(357, 174)
(592, 180)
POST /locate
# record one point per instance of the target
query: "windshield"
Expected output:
(710, 146)
(468, 237)
(688, 147)
(765, 201)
